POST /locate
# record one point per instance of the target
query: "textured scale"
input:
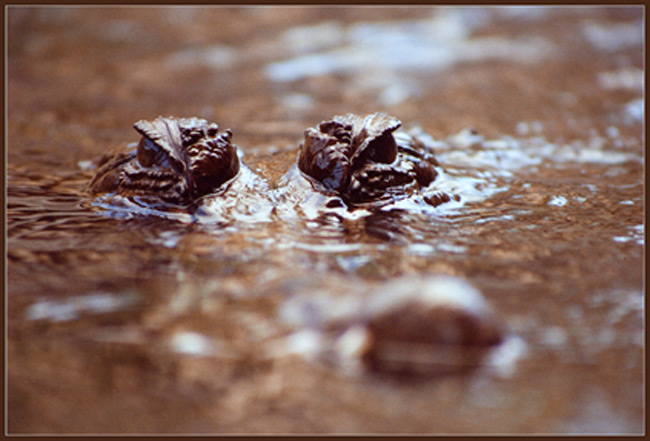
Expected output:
(177, 160)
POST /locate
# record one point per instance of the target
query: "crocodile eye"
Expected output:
(148, 152)
(380, 149)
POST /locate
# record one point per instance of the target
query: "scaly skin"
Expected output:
(178, 160)
(359, 159)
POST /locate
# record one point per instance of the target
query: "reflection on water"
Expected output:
(252, 312)
(71, 309)
(431, 326)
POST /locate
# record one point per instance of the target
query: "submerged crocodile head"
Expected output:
(359, 159)
(177, 160)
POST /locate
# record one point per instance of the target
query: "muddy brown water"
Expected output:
(130, 322)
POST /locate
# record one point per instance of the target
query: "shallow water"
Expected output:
(123, 320)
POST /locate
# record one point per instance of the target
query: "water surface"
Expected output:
(127, 321)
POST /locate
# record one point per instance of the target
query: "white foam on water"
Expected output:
(451, 248)
(74, 307)
(218, 57)
(625, 303)
(528, 128)
(124, 208)
(297, 101)
(504, 358)
(443, 291)
(86, 165)
(622, 324)
(635, 110)
(377, 55)
(554, 336)
(521, 12)
(558, 201)
(628, 78)
(168, 239)
(504, 155)
(232, 206)
(614, 37)
(485, 220)
(191, 343)
(307, 343)
(311, 38)
(352, 263)
(397, 92)
(327, 247)
(320, 308)
(350, 348)
(635, 234)
(421, 249)
(613, 132)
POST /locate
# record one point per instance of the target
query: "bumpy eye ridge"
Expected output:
(212, 166)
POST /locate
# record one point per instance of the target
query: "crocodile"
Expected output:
(352, 161)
